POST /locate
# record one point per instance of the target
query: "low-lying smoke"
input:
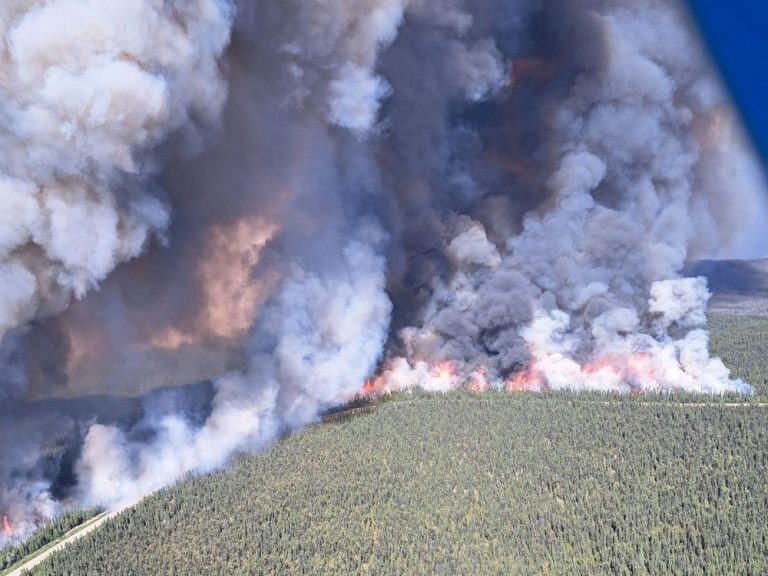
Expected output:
(295, 200)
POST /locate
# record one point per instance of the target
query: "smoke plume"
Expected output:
(219, 219)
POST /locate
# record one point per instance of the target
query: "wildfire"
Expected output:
(479, 381)
(631, 367)
(372, 387)
(528, 379)
(632, 370)
(444, 375)
(553, 371)
(8, 530)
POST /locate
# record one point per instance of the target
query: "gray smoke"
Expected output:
(641, 163)
(291, 199)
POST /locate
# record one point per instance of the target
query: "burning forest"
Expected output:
(219, 219)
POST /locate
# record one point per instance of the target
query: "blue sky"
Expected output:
(737, 34)
(737, 31)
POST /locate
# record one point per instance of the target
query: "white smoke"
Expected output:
(355, 98)
(427, 188)
(87, 89)
(318, 340)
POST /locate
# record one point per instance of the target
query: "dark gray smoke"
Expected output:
(291, 199)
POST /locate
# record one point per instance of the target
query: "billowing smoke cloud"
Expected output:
(580, 292)
(290, 201)
(88, 89)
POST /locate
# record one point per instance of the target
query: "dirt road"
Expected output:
(76, 534)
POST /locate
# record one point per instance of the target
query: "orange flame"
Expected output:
(478, 381)
(442, 376)
(371, 387)
(633, 370)
(526, 380)
(631, 367)
(444, 373)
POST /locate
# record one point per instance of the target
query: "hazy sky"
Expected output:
(738, 37)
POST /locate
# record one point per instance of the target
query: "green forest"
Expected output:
(742, 342)
(463, 484)
(44, 536)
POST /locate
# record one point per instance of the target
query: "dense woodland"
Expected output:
(461, 485)
(48, 533)
(742, 342)
(468, 484)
